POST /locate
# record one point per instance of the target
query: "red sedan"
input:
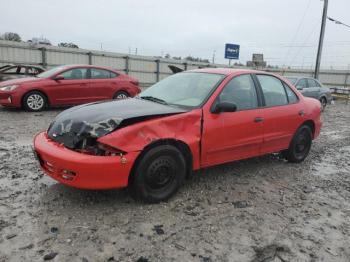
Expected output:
(67, 85)
(185, 122)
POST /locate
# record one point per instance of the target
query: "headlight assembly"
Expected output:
(8, 88)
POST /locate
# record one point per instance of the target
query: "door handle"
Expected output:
(258, 119)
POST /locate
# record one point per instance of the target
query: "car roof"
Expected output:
(88, 66)
(228, 71)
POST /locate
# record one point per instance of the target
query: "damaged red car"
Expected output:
(188, 121)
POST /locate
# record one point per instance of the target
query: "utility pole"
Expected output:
(320, 43)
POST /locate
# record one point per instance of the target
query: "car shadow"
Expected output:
(121, 199)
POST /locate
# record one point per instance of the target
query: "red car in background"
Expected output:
(67, 85)
(185, 122)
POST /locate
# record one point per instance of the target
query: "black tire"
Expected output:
(158, 175)
(121, 95)
(34, 101)
(300, 146)
(323, 102)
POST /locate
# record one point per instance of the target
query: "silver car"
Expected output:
(311, 87)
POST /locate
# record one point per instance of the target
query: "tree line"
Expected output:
(11, 36)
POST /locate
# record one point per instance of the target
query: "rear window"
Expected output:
(273, 90)
(292, 97)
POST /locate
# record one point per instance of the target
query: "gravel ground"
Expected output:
(262, 209)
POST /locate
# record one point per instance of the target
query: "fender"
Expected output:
(185, 127)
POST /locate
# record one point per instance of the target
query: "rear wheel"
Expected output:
(159, 174)
(34, 101)
(323, 102)
(121, 95)
(300, 145)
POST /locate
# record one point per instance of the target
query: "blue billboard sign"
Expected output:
(231, 51)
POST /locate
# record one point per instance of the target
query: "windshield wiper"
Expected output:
(154, 99)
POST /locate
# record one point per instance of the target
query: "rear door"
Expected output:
(282, 113)
(229, 136)
(100, 86)
(71, 90)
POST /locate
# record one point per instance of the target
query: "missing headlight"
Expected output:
(92, 147)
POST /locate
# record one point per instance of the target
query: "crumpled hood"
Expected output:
(91, 121)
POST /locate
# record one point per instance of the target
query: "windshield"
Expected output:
(293, 80)
(188, 89)
(50, 72)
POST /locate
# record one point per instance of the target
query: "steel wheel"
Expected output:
(158, 175)
(300, 145)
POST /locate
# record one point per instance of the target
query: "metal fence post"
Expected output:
(43, 57)
(158, 69)
(127, 64)
(345, 86)
(90, 57)
(185, 65)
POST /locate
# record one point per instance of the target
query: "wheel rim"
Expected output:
(35, 102)
(302, 144)
(160, 173)
(121, 96)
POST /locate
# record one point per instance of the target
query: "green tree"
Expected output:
(10, 36)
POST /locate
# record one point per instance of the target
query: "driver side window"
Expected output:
(75, 73)
(302, 83)
(240, 91)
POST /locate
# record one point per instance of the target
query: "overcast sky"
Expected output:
(285, 31)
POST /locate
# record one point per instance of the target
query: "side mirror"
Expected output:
(299, 87)
(58, 77)
(224, 107)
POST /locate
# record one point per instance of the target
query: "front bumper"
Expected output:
(81, 170)
(10, 99)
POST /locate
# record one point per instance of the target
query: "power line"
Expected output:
(306, 40)
(337, 21)
(296, 33)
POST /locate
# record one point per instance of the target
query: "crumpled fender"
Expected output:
(185, 127)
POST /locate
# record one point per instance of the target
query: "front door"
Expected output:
(71, 90)
(229, 136)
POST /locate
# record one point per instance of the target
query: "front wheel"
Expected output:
(159, 174)
(34, 101)
(300, 146)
